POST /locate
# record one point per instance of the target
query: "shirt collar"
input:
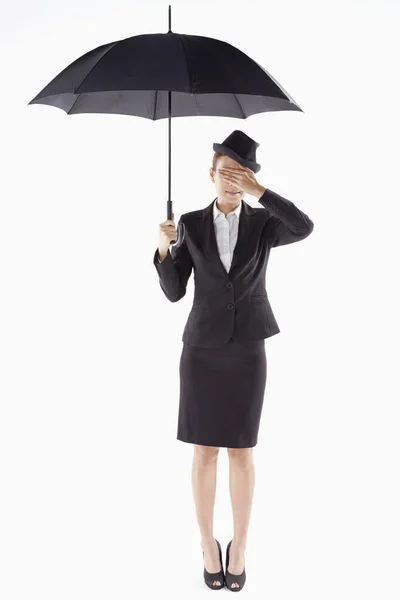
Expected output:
(217, 211)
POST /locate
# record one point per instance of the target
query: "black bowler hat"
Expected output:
(239, 146)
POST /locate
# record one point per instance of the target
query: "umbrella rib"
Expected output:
(87, 74)
(244, 116)
(187, 64)
(73, 104)
(155, 106)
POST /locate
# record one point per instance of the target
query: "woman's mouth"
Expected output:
(232, 193)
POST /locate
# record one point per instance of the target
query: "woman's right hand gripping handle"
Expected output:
(168, 234)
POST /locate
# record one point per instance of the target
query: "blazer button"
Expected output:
(228, 285)
(230, 305)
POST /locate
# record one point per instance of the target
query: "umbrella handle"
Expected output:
(169, 215)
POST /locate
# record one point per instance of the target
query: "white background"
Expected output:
(96, 498)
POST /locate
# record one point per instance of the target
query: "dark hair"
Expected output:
(215, 159)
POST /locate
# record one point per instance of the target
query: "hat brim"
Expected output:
(232, 154)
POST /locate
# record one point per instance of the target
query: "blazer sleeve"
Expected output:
(174, 271)
(287, 223)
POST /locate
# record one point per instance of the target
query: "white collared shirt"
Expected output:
(226, 231)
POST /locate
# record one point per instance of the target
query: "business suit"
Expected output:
(235, 302)
(230, 318)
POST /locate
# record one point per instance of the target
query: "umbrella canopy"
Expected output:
(162, 75)
(206, 77)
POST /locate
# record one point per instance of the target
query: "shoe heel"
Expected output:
(230, 578)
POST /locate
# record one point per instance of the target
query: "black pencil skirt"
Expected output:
(221, 394)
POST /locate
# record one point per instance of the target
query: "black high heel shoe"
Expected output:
(230, 577)
(219, 576)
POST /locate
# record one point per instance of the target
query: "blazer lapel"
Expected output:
(209, 241)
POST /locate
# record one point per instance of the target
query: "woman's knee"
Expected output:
(205, 454)
(241, 455)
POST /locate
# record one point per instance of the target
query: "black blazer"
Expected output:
(234, 302)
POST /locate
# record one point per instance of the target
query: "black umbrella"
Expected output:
(162, 75)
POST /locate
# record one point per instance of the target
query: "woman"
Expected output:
(223, 362)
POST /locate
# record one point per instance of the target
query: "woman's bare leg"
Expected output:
(241, 486)
(204, 480)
